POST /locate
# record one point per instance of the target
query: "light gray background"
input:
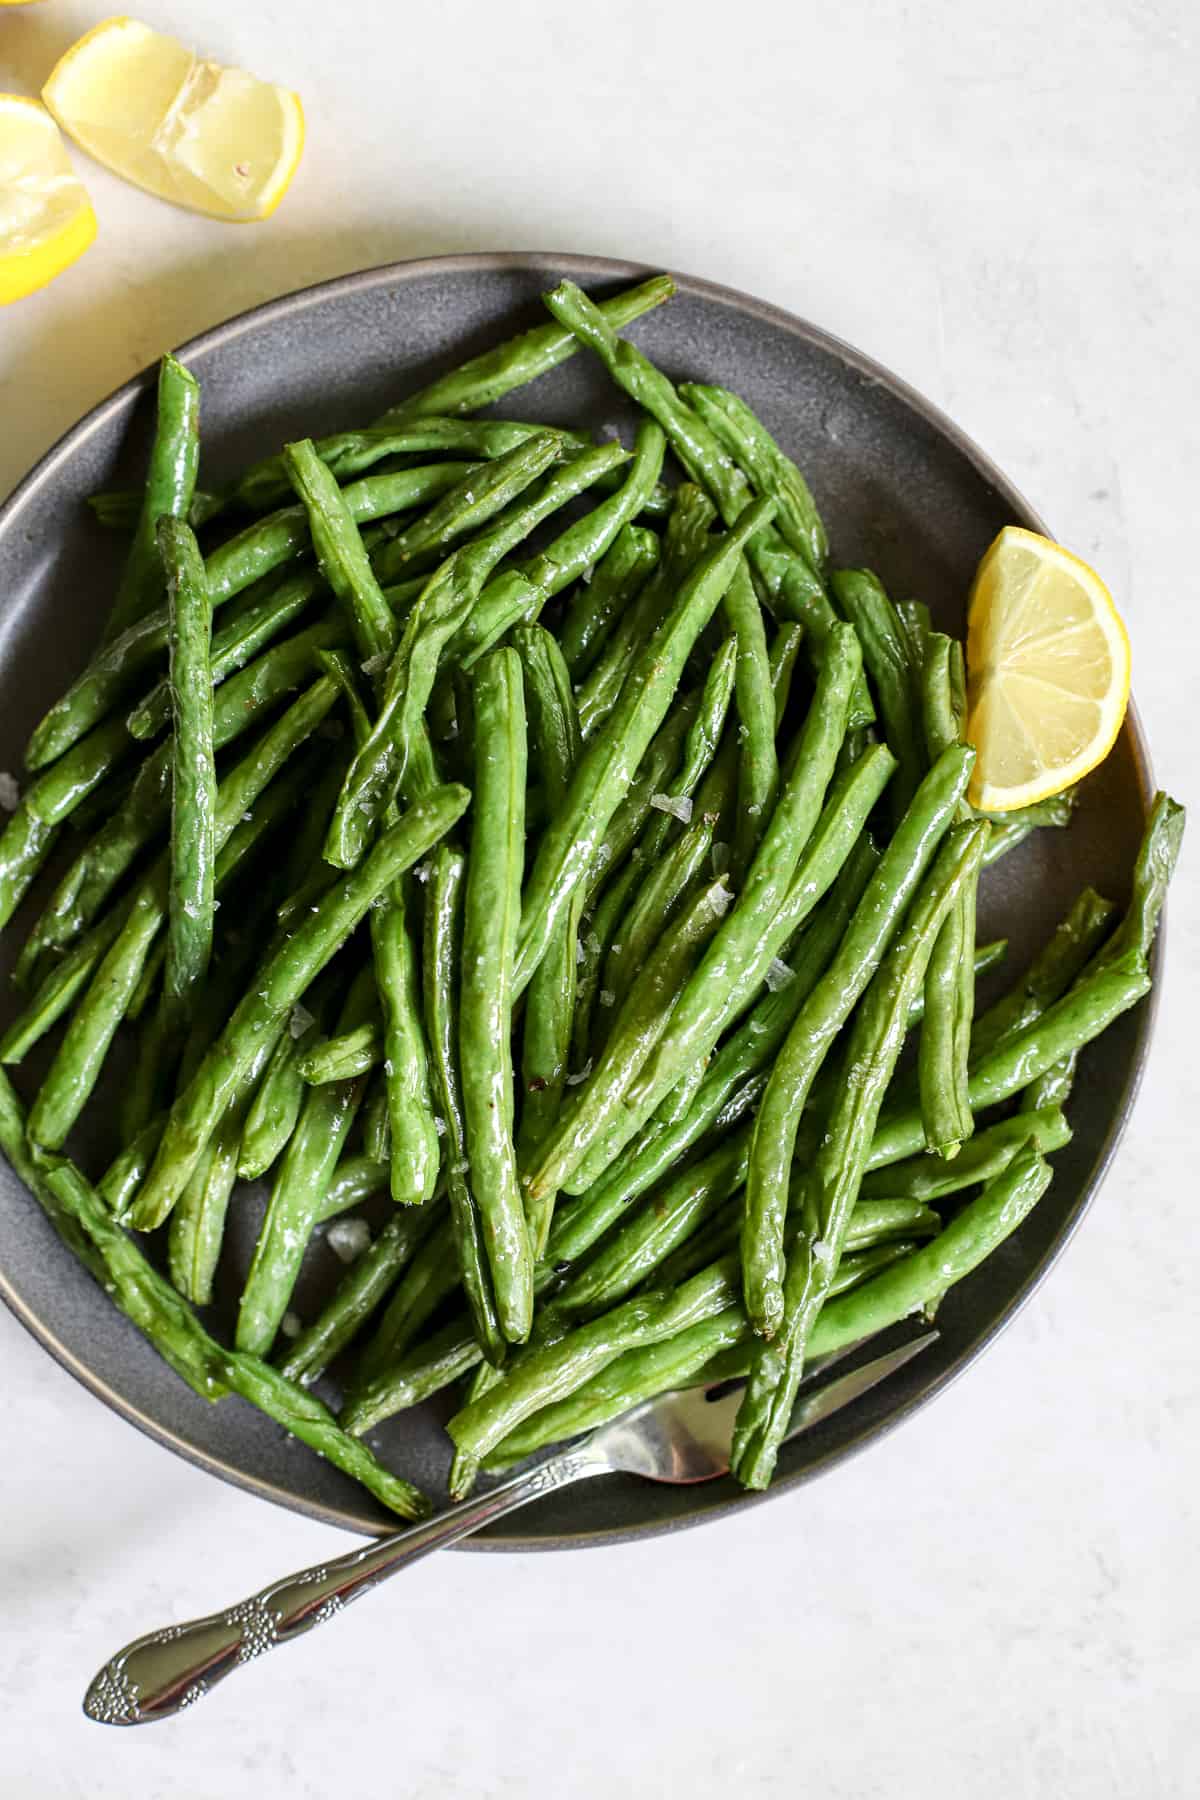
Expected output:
(999, 1601)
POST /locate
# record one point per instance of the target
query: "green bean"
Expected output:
(442, 974)
(103, 800)
(550, 705)
(949, 991)
(283, 536)
(236, 644)
(687, 539)
(198, 1223)
(60, 789)
(758, 764)
(746, 439)
(25, 843)
(551, 996)
(658, 768)
(785, 648)
(159, 1313)
(719, 1348)
(491, 909)
(831, 1185)
(885, 657)
(601, 602)
(986, 957)
(356, 1178)
(1059, 1032)
(345, 1056)
(748, 1051)
(426, 1370)
(170, 482)
(190, 914)
(489, 377)
(1009, 830)
(978, 1229)
(127, 1171)
(702, 457)
(415, 1151)
(478, 500)
(349, 453)
(546, 1039)
(594, 936)
(654, 906)
(749, 936)
(1051, 1089)
(341, 556)
(1061, 959)
(576, 550)
(165, 1036)
(637, 1027)
(377, 1125)
(275, 1107)
(636, 1374)
(607, 766)
(850, 799)
(1152, 871)
(545, 1372)
(917, 623)
(382, 763)
(666, 1218)
(873, 1223)
(117, 509)
(110, 677)
(237, 705)
(77, 1064)
(1024, 1036)
(703, 740)
(298, 1190)
(63, 982)
(279, 983)
(877, 918)
(989, 1152)
(396, 1037)
(429, 1280)
(29, 1168)
(356, 1296)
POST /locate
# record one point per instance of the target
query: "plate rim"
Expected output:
(599, 268)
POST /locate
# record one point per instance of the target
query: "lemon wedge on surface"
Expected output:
(46, 218)
(211, 138)
(1047, 671)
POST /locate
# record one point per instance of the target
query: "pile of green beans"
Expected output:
(581, 877)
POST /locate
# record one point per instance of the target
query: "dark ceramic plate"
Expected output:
(902, 490)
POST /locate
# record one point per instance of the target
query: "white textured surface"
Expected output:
(999, 1602)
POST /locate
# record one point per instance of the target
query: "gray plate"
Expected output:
(902, 490)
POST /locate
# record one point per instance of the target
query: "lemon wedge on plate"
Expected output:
(46, 218)
(211, 138)
(1047, 671)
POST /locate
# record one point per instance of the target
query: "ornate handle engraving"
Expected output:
(168, 1670)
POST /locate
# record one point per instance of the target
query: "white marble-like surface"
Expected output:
(998, 1602)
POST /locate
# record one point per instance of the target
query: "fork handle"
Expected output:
(171, 1668)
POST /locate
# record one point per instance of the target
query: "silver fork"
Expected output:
(679, 1438)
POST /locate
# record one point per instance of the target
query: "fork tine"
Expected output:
(812, 1408)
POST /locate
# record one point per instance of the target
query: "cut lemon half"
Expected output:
(46, 218)
(217, 140)
(1047, 671)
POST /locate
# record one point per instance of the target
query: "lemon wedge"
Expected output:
(1047, 671)
(46, 218)
(217, 140)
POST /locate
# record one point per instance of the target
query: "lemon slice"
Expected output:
(215, 139)
(46, 218)
(1047, 671)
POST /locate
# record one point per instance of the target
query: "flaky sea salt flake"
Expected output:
(679, 806)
